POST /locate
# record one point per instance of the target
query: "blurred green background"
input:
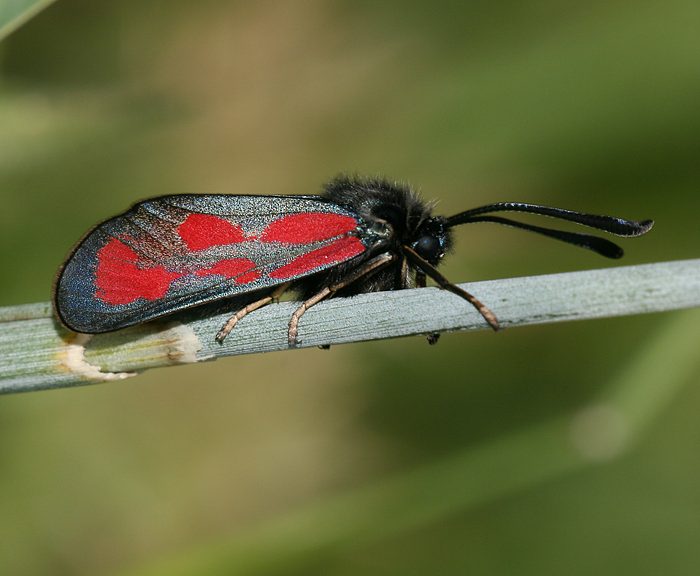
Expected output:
(568, 448)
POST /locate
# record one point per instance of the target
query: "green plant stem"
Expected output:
(15, 13)
(37, 353)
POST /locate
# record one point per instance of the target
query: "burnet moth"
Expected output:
(360, 235)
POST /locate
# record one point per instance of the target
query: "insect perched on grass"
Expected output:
(360, 235)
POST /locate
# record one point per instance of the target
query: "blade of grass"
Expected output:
(15, 13)
(36, 353)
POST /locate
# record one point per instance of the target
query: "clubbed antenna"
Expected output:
(611, 224)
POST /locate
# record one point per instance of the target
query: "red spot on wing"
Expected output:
(119, 280)
(308, 227)
(241, 270)
(201, 231)
(338, 251)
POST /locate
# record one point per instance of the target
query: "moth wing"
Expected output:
(174, 252)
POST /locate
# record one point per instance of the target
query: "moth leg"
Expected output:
(432, 337)
(233, 320)
(443, 282)
(299, 312)
(367, 268)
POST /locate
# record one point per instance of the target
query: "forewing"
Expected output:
(174, 252)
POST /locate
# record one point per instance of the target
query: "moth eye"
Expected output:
(429, 247)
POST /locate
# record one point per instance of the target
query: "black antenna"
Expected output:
(616, 226)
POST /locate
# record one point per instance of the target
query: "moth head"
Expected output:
(432, 240)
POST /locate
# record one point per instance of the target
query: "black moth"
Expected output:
(360, 235)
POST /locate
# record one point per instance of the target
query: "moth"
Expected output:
(172, 253)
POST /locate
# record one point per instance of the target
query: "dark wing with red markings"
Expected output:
(175, 252)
